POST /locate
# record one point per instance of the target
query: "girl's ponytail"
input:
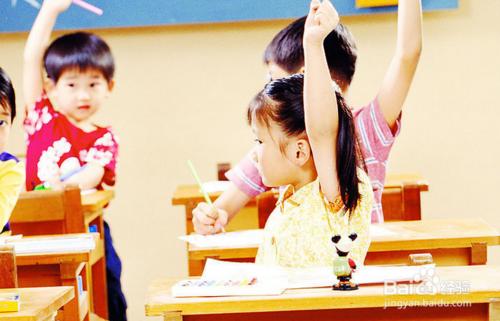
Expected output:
(347, 155)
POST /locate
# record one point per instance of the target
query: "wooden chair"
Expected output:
(222, 168)
(48, 212)
(8, 270)
(400, 203)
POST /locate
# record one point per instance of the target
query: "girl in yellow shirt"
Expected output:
(11, 170)
(307, 142)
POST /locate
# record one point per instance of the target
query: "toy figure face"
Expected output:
(344, 244)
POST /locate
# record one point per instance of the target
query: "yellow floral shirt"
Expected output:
(298, 232)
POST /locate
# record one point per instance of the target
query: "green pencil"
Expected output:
(198, 180)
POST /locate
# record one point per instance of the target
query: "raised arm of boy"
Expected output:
(320, 102)
(399, 76)
(37, 42)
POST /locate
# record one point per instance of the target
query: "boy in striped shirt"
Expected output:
(377, 124)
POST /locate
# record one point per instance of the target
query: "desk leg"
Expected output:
(69, 277)
(99, 288)
(494, 310)
(478, 253)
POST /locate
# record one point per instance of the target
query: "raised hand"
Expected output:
(321, 20)
(57, 6)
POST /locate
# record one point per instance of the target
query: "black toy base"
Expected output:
(345, 287)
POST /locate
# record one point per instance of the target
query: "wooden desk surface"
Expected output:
(407, 235)
(96, 200)
(191, 193)
(39, 303)
(483, 281)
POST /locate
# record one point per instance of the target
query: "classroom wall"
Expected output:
(181, 93)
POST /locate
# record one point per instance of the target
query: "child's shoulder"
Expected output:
(10, 165)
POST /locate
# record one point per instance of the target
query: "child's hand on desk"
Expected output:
(207, 219)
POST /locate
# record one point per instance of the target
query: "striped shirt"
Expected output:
(375, 141)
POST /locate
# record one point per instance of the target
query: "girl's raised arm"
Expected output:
(320, 102)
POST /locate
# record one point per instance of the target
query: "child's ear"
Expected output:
(302, 152)
(49, 85)
(302, 70)
(111, 85)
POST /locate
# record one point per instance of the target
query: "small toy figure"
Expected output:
(342, 265)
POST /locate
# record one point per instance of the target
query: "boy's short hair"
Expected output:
(80, 50)
(286, 50)
(7, 94)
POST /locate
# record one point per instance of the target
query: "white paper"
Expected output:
(84, 192)
(37, 245)
(251, 238)
(216, 186)
(378, 230)
(316, 276)
(244, 238)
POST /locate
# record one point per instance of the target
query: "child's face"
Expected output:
(274, 166)
(79, 94)
(5, 125)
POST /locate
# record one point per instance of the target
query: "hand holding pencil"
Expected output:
(207, 219)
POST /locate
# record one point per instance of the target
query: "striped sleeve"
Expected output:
(374, 133)
(246, 177)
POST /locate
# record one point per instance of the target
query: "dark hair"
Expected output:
(281, 101)
(286, 50)
(7, 94)
(79, 50)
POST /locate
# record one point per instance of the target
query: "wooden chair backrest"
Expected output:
(8, 271)
(48, 212)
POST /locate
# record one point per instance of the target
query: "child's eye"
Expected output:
(3, 123)
(71, 85)
(92, 85)
(258, 141)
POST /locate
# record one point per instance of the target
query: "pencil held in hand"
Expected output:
(205, 194)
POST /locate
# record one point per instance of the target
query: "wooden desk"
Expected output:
(39, 304)
(479, 302)
(401, 194)
(450, 241)
(56, 269)
(91, 212)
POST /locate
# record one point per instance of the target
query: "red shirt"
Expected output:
(56, 146)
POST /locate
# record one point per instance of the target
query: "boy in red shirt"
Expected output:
(64, 145)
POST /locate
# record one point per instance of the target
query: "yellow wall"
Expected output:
(182, 91)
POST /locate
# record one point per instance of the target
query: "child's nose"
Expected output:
(83, 95)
